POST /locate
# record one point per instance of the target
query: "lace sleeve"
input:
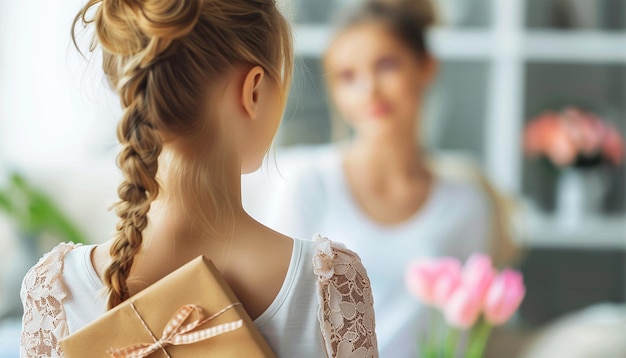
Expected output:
(42, 294)
(346, 311)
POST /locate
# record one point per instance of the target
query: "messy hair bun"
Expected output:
(139, 30)
(126, 27)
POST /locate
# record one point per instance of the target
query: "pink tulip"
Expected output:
(560, 146)
(504, 297)
(464, 307)
(478, 273)
(549, 134)
(433, 280)
(572, 121)
(532, 138)
(420, 278)
(536, 140)
(593, 133)
(448, 281)
(563, 137)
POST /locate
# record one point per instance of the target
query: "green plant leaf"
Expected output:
(48, 216)
(35, 212)
(5, 203)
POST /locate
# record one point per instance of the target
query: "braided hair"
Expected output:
(159, 55)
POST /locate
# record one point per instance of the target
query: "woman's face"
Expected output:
(376, 81)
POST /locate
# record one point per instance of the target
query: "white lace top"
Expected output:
(324, 307)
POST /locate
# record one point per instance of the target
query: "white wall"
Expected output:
(57, 117)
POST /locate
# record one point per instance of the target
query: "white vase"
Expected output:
(580, 194)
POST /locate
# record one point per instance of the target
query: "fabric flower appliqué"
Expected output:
(323, 261)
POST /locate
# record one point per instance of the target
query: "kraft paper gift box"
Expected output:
(132, 324)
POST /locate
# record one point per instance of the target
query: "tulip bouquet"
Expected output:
(573, 137)
(472, 299)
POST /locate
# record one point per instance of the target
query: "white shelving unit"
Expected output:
(603, 233)
(507, 46)
(591, 47)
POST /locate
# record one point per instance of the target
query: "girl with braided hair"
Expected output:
(203, 84)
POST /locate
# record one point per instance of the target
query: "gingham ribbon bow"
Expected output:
(176, 333)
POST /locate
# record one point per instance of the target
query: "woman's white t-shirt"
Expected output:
(315, 197)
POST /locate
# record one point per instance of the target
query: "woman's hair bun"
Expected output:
(125, 27)
(423, 11)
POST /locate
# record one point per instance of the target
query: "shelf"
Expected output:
(596, 233)
(537, 45)
(575, 46)
(451, 44)
(447, 44)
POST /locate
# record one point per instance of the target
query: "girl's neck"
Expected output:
(198, 196)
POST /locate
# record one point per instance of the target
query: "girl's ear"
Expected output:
(250, 91)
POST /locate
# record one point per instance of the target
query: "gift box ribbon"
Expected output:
(176, 333)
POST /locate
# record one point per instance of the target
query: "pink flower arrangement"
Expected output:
(573, 137)
(472, 298)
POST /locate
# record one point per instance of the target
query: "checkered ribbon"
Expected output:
(178, 333)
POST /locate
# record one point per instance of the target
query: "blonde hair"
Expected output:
(160, 56)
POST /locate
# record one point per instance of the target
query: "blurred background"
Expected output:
(502, 64)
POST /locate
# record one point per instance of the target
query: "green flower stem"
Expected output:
(452, 342)
(430, 343)
(431, 350)
(478, 341)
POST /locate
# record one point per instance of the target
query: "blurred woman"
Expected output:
(379, 191)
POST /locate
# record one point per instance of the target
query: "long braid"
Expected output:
(138, 161)
(133, 38)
